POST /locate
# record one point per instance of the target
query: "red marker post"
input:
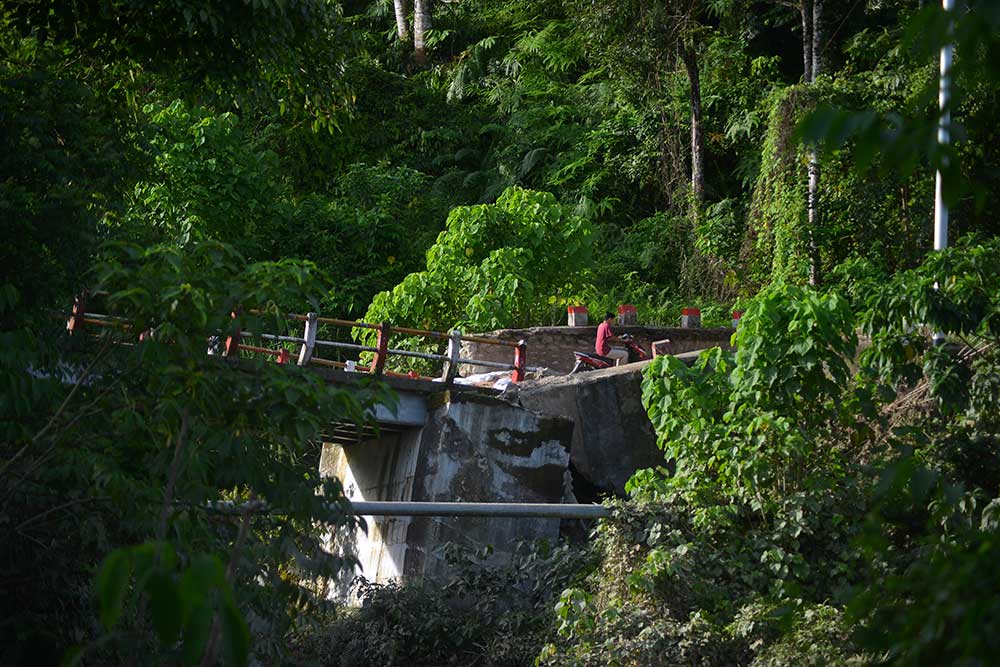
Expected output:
(520, 361)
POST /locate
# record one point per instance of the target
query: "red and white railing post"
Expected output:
(520, 361)
(627, 315)
(75, 321)
(309, 336)
(233, 340)
(577, 316)
(382, 348)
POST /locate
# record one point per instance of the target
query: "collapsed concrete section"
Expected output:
(612, 435)
(473, 448)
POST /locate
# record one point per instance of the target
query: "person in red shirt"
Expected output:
(604, 340)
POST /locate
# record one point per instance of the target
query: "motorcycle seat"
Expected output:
(592, 355)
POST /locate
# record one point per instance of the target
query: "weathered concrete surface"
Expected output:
(553, 347)
(518, 447)
(485, 450)
(612, 435)
(473, 448)
(374, 470)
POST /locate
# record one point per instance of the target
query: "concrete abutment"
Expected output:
(519, 447)
(473, 448)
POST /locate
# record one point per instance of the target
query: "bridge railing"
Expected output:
(309, 342)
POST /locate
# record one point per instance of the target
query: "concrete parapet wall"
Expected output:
(553, 347)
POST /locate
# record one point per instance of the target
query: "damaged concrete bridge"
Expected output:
(559, 439)
(552, 440)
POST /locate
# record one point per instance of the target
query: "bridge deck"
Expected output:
(402, 384)
(411, 410)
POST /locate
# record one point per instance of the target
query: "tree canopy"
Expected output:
(828, 493)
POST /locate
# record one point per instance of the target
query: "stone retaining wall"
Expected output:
(553, 347)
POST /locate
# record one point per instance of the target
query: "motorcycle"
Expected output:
(591, 361)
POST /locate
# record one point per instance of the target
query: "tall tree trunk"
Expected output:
(402, 27)
(813, 198)
(807, 41)
(813, 204)
(817, 38)
(421, 24)
(690, 59)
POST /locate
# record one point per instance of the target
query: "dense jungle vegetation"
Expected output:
(829, 490)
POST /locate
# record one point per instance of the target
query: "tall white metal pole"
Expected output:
(944, 137)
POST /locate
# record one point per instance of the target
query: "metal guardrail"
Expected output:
(309, 341)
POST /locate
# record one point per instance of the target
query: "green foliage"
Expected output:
(955, 293)
(777, 224)
(175, 126)
(761, 504)
(60, 160)
(878, 153)
(744, 427)
(491, 611)
(762, 519)
(818, 638)
(899, 139)
(932, 612)
(673, 590)
(495, 265)
(132, 447)
(652, 265)
(210, 180)
(236, 54)
(207, 182)
(720, 230)
(554, 119)
(371, 232)
(179, 602)
(937, 495)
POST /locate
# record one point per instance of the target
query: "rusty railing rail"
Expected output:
(308, 342)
